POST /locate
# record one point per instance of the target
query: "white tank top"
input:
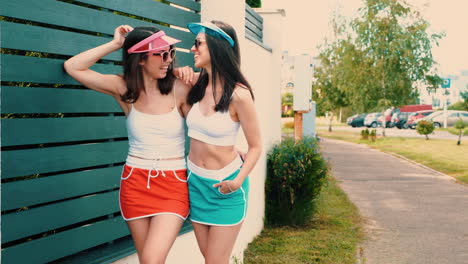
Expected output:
(216, 129)
(156, 136)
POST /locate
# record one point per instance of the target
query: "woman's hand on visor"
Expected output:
(120, 32)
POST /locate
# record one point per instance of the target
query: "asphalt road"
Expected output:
(413, 215)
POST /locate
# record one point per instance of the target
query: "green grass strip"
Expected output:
(332, 236)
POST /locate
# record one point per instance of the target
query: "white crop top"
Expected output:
(156, 136)
(216, 129)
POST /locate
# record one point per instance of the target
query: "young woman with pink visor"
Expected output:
(153, 191)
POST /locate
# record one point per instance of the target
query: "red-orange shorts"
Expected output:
(161, 192)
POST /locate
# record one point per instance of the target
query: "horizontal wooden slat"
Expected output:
(249, 24)
(195, 6)
(18, 225)
(254, 22)
(41, 39)
(255, 30)
(149, 9)
(252, 13)
(65, 243)
(56, 100)
(36, 191)
(184, 59)
(43, 70)
(103, 254)
(109, 254)
(41, 160)
(25, 131)
(73, 16)
(250, 35)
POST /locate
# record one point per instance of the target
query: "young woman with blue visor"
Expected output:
(221, 102)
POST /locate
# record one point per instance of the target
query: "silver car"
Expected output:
(371, 119)
(452, 117)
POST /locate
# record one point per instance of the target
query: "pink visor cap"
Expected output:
(155, 42)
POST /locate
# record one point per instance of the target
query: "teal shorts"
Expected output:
(208, 205)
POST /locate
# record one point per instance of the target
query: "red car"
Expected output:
(417, 115)
(403, 109)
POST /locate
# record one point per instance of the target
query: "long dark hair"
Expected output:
(133, 74)
(225, 64)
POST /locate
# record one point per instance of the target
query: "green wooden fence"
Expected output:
(63, 146)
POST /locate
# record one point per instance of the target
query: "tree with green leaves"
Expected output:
(461, 105)
(384, 56)
(287, 104)
(327, 89)
(425, 128)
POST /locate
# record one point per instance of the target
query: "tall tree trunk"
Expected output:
(384, 122)
(341, 114)
(330, 122)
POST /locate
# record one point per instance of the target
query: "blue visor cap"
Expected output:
(210, 29)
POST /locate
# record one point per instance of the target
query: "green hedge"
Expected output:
(296, 173)
(254, 3)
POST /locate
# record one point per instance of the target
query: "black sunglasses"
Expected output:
(197, 43)
(166, 54)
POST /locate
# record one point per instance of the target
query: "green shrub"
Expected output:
(425, 128)
(460, 125)
(254, 3)
(295, 175)
(365, 134)
(373, 135)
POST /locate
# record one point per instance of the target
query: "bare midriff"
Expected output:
(210, 157)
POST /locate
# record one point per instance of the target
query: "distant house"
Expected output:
(458, 85)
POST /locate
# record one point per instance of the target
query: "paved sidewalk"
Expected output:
(413, 215)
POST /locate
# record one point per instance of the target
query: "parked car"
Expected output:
(350, 119)
(387, 116)
(452, 117)
(429, 117)
(411, 122)
(399, 119)
(390, 112)
(356, 120)
(371, 119)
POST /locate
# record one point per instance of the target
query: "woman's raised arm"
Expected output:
(78, 65)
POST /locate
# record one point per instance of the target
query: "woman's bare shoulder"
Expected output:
(241, 94)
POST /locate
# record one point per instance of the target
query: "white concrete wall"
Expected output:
(262, 68)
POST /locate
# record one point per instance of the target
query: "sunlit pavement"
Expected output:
(413, 215)
(395, 132)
